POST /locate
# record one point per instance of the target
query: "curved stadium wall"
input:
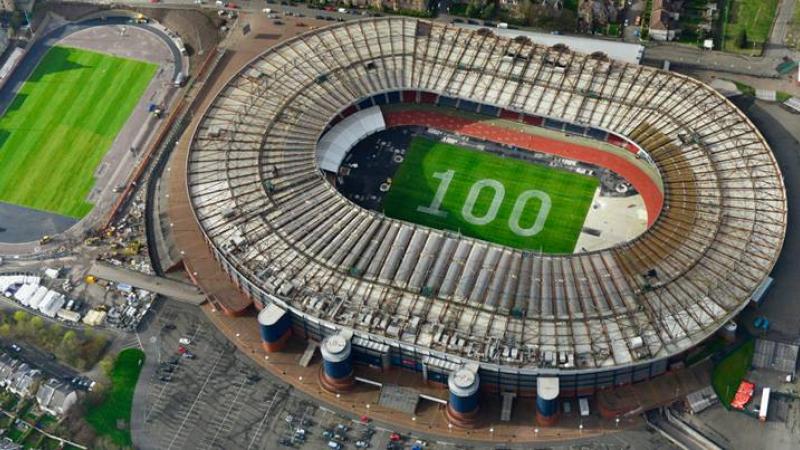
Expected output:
(422, 298)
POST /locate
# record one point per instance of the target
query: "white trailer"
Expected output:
(762, 411)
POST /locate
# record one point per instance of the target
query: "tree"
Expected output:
(51, 337)
(741, 38)
(106, 365)
(488, 10)
(20, 316)
(5, 330)
(473, 8)
(37, 324)
(68, 349)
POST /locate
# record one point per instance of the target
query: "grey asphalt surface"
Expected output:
(20, 224)
(782, 130)
(209, 404)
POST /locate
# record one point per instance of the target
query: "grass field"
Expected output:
(731, 370)
(501, 200)
(755, 17)
(119, 398)
(60, 125)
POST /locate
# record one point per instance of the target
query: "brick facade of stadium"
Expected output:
(383, 353)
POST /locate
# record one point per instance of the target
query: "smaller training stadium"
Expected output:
(499, 199)
(60, 125)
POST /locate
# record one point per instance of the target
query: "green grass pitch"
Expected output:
(60, 125)
(480, 193)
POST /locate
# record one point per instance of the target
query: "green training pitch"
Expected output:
(501, 200)
(60, 125)
(115, 407)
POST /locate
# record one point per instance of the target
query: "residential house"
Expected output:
(56, 397)
(8, 366)
(664, 24)
(24, 380)
(416, 5)
(8, 444)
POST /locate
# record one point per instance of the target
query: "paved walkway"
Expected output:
(198, 260)
(164, 286)
(430, 418)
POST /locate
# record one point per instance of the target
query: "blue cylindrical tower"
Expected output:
(337, 362)
(547, 390)
(275, 325)
(463, 384)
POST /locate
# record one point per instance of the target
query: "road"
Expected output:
(40, 359)
(780, 305)
(763, 66)
(780, 28)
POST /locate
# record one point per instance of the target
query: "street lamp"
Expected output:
(616, 421)
(536, 433)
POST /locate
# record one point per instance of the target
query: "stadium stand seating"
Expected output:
(289, 237)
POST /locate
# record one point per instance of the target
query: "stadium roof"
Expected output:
(270, 215)
(620, 51)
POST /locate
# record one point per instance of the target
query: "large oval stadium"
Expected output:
(268, 158)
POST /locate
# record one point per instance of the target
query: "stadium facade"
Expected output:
(432, 301)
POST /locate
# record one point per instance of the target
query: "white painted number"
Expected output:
(519, 207)
(497, 199)
(472, 197)
(433, 209)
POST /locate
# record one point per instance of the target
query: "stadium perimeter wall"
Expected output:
(383, 353)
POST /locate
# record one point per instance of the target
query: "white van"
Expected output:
(179, 80)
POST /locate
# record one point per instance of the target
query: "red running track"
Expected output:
(646, 186)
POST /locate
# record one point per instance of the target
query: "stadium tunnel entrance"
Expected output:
(364, 148)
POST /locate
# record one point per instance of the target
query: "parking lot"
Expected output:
(222, 400)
